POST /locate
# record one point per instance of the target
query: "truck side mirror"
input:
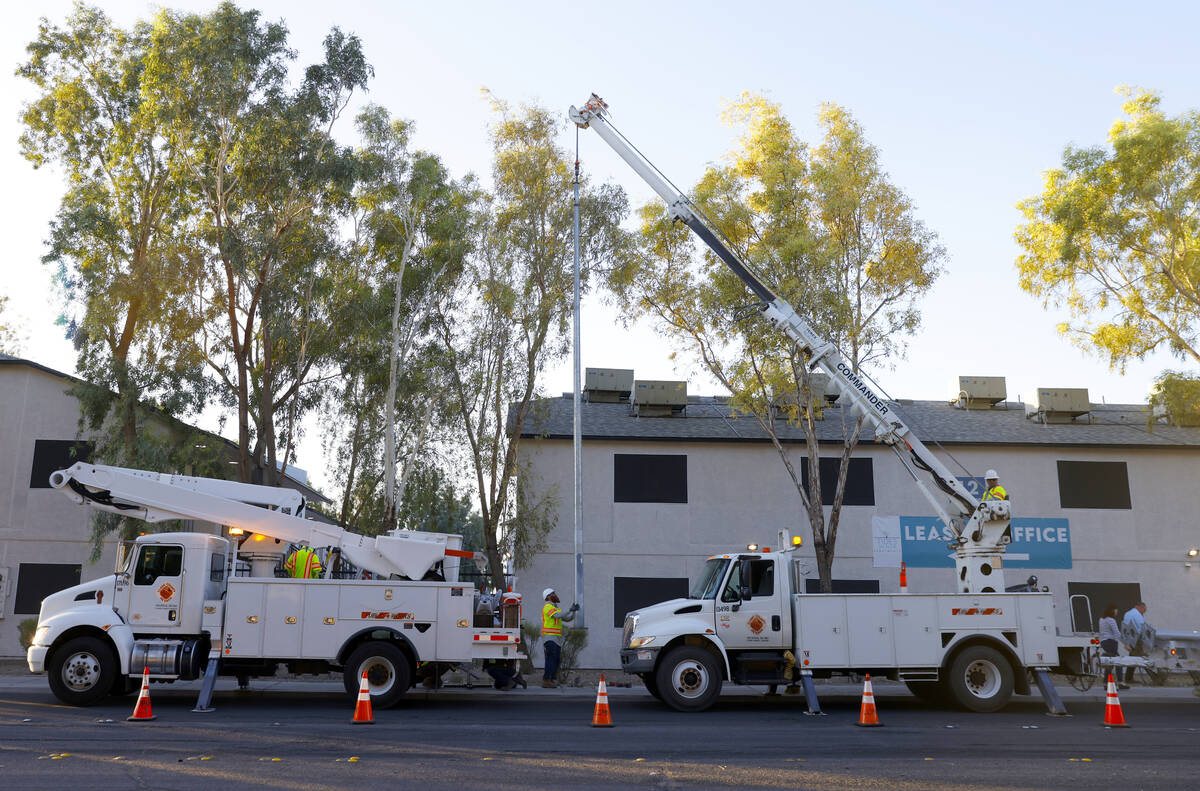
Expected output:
(744, 588)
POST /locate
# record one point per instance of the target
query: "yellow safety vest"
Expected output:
(551, 623)
(997, 492)
(303, 564)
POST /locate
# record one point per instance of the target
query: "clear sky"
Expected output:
(969, 104)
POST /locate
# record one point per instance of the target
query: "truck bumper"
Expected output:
(35, 657)
(638, 660)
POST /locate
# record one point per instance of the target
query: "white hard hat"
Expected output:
(991, 475)
(546, 593)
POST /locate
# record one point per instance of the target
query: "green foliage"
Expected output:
(573, 642)
(25, 629)
(831, 235)
(1114, 236)
(1178, 393)
(512, 310)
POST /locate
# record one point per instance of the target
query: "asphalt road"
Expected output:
(543, 739)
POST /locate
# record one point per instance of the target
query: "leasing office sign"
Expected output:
(921, 542)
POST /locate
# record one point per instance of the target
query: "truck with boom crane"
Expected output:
(177, 607)
(746, 620)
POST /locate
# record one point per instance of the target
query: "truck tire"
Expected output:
(389, 673)
(651, 684)
(82, 671)
(688, 678)
(932, 692)
(981, 679)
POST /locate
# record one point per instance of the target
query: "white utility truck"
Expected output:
(747, 621)
(177, 607)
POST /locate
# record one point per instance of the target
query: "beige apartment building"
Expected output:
(1105, 502)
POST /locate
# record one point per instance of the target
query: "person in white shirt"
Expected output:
(1137, 634)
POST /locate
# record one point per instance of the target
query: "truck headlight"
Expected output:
(39, 637)
(638, 642)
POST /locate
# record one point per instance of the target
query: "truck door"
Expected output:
(156, 587)
(751, 615)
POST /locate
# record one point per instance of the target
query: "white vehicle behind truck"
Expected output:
(176, 607)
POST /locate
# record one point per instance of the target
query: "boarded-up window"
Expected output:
(860, 480)
(36, 581)
(1088, 600)
(630, 593)
(1093, 484)
(650, 478)
(52, 455)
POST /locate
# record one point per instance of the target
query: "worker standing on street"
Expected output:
(552, 621)
(303, 564)
(994, 490)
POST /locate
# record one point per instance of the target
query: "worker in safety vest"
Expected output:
(303, 564)
(994, 490)
(552, 621)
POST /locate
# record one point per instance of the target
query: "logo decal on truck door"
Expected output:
(166, 591)
(756, 623)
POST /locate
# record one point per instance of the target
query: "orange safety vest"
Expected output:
(303, 564)
(551, 622)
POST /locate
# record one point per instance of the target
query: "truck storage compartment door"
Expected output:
(870, 619)
(243, 620)
(820, 623)
(320, 638)
(454, 623)
(914, 628)
(284, 609)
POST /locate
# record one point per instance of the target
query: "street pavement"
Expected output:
(297, 734)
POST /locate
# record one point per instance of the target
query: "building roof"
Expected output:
(300, 485)
(709, 419)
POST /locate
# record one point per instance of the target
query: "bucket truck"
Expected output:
(175, 605)
(746, 620)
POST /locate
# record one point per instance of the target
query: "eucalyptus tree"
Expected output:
(509, 318)
(1114, 237)
(258, 159)
(834, 237)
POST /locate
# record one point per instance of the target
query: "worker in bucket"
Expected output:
(303, 564)
(993, 489)
(552, 621)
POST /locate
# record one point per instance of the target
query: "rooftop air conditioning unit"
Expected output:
(1061, 404)
(781, 405)
(979, 392)
(608, 385)
(653, 398)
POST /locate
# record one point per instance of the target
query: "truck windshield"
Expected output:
(709, 579)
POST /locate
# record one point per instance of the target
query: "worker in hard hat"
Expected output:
(303, 564)
(993, 489)
(552, 620)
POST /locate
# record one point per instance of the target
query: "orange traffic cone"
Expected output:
(1113, 716)
(867, 716)
(362, 709)
(141, 711)
(602, 718)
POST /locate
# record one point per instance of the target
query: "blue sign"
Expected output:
(975, 486)
(1036, 543)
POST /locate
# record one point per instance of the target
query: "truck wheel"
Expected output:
(82, 671)
(389, 674)
(651, 685)
(933, 692)
(688, 679)
(981, 679)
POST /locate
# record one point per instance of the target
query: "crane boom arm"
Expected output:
(981, 529)
(158, 497)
